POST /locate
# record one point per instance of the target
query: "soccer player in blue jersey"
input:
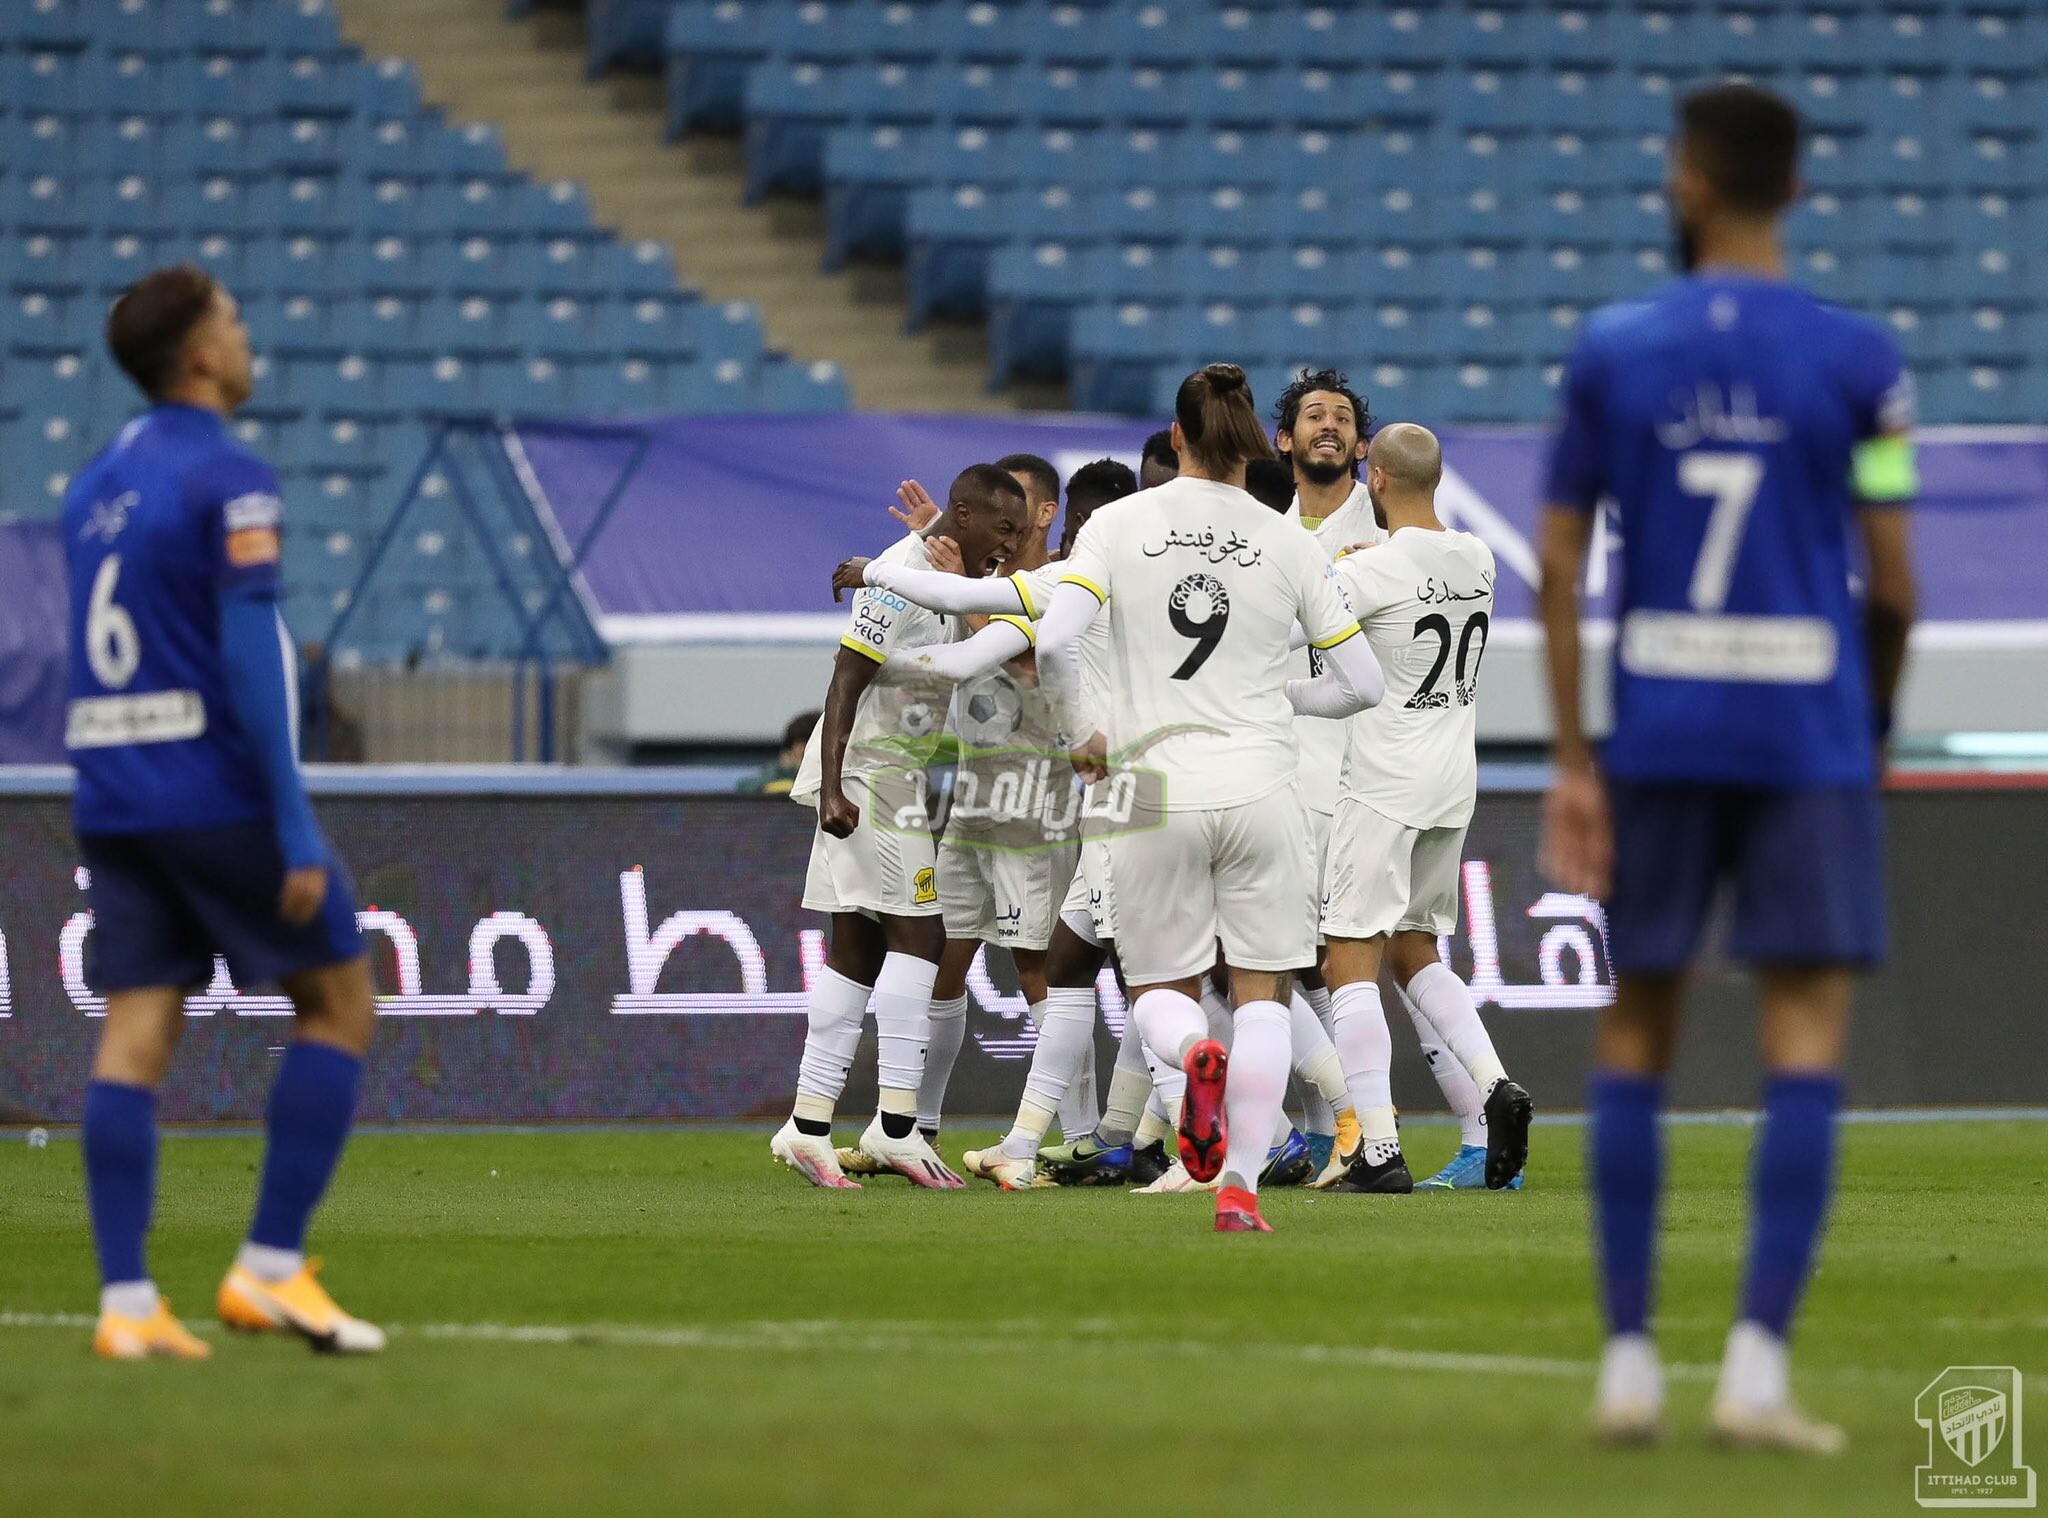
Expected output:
(1752, 439)
(192, 820)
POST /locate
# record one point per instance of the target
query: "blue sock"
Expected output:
(120, 1175)
(1626, 1160)
(311, 1107)
(1790, 1177)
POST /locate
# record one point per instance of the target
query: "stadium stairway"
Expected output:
(527, 77)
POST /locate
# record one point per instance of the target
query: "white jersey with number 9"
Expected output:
(1203, 587)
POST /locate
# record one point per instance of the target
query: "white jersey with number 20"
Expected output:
(1203, 586)
(1425, 600)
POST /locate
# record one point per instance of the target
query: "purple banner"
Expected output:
(747, 515)
(34, 606)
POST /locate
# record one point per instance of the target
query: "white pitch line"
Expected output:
(1094, 1335)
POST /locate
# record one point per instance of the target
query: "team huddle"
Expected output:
(1268, 706)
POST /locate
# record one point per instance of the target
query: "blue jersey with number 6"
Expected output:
(173, 516)
(1722, 414)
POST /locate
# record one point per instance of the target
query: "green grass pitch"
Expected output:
(704, 1334)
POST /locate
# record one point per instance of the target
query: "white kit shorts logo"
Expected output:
(1973, 1415)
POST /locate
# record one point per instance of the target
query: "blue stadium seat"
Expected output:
(786, 385)
(524, 387)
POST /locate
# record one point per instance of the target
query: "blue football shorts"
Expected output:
(165, 903)
(1804, 868)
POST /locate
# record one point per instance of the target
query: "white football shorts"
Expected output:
(1239, 874)
(1090, 907)
(1385, 877)
(878, 872)
(1010, 897)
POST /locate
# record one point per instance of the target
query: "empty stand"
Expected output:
(1090, 178)
(391, 268)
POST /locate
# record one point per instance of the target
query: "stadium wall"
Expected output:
(595, 946)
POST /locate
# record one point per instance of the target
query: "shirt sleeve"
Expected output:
(1883, 469)
(244, 513)
(1577, 472)
(1321, 608)
(1089, 564)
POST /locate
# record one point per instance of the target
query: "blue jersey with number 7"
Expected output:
(1723, 415)
(169, 519)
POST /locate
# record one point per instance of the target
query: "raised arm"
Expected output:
(956, 594)
(1073, 608)
(1001, 640)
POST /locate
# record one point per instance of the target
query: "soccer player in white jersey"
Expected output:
(1411, 778)
(1322, 432)
(992, 891)
(1202, 587)
(1078, 946)
(873, 864)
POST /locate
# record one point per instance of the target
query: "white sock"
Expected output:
(1460, 1094)
(129, 1299)
(1630, 1373)
(1216, 1008)
(1315, 1061)
(1319, 998)
(1155, 1127)
(1130, 1083)
(949, 1027)
(268, 1263)
(1169, 1086)
(1366, 1050)
(837, 1004)
(1445, 1001)
(1066, 1032)
(1171, 1024)
(1756, 1370)
(903, 1024)
(1079, 1110)
(1259, 1057)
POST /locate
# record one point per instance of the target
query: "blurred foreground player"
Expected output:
(1733, 419)
(192, 820)
(874, 872)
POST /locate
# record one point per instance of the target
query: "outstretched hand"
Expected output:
(919, 509)
(850, 575)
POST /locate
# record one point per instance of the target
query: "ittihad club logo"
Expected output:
(1973, 1415)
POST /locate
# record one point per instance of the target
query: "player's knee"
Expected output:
(919, 937)
(1411, 954)
(336, 1003)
